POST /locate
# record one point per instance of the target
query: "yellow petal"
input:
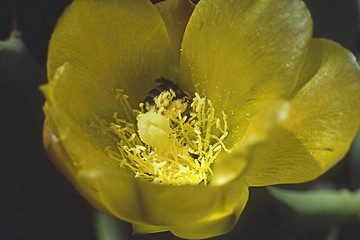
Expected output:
(323, 120)
(241, 53)
(67, 166)
(71, 114)
(325, 111)
(214, 225)
(56, 151)
(280, 159)
(145, 203)
(175, 14)
(110, 44)
(232, 165)
(83, 143)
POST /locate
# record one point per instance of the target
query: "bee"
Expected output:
(165, 85)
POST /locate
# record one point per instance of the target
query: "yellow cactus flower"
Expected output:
(164, 115)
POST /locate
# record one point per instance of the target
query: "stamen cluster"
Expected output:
(174, 141)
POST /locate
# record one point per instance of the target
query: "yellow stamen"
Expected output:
(174, 141)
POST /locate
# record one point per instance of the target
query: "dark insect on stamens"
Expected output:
(165, 85)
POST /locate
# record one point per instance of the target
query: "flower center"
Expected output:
(171, 141)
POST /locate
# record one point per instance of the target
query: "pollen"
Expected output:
(173, 141)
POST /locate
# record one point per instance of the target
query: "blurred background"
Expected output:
(37, 202)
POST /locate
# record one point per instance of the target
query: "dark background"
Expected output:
(37, 202)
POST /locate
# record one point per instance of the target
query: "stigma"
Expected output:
(171, 141)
